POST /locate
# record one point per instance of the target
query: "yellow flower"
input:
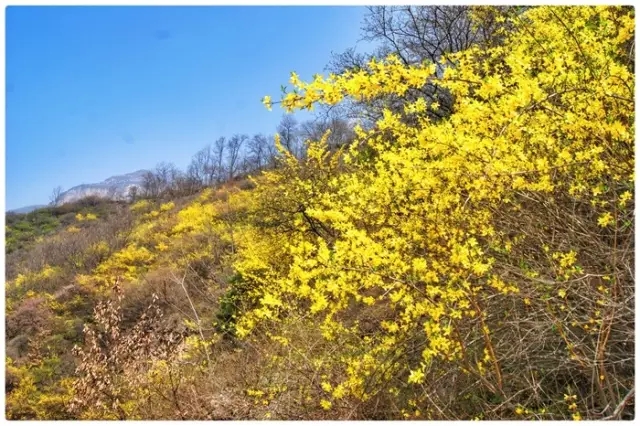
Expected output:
(624, 198)
(568, 259)
(416, 376)
(605, 220)
(270, 300)
(267, 102)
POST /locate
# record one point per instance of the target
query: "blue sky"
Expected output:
(99, 91)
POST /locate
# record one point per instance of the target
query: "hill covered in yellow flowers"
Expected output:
(474, 265)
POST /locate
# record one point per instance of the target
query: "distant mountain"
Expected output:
(27, 209)
(115, 187)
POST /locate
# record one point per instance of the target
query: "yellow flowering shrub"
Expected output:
(195, 218)
(31, 283)
(140, 206)
(129, 263)
(48, 401)
(420, 223)
(167, 206)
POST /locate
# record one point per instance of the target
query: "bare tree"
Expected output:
(288, 131)
(150, 187)
(56, 196)
(175, 176)
(193, 172)
(162, 173)
(219, 150)
(186, 184)
(271, 153)
(341, 131)
(196, 167)
(193, 177)
(203, 166)
(165, 175)
(234, 146)
(132, 193)
(416, 34)
(258, 151)
(245, 166)
(349, 60)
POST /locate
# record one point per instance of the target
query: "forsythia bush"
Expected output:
(516, 210)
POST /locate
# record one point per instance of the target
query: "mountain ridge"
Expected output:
(115, 187)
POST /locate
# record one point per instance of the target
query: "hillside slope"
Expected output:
(478, 266)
